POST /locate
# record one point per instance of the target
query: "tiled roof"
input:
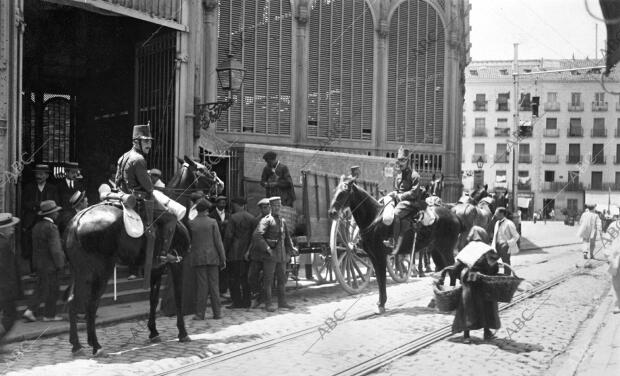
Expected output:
(502, 70)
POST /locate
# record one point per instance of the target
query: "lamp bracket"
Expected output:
(210, 112)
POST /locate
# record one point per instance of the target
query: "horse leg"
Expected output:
(176, 271)
(77, 348)
(156, 275)
(380, 270)
(427, 261)
(97, 289)
(420, 262)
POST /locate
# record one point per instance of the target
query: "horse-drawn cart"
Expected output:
(336, 243)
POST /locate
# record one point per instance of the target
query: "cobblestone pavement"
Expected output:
(346, 344)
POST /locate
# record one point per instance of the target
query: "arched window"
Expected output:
(259, 33)
(340, 70)
(416, 50)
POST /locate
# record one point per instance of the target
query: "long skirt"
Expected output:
(474, 312)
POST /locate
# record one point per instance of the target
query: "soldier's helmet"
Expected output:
(142, 132)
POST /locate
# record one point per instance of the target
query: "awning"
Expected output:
(602, 199)
(523, 202)
(611, 13)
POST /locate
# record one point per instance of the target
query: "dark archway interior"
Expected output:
(79, 71)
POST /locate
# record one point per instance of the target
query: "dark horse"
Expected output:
(96, 240)
(440, 237)
(477, 212)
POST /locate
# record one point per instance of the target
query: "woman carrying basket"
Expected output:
(474, 312)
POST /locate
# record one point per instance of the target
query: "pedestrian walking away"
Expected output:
(207, 258)
(505, 237)
(589, 226)
(10, 288)
(474, 311)
(237, 241)
(255, 256)
(49, 259)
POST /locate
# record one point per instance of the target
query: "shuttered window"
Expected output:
(340, 70)
(259, 33)
(415, 108)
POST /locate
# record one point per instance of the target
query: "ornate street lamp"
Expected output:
(230, 76)
(480, 163)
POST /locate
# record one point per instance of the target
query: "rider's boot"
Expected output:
(396, 232)
(167, 236)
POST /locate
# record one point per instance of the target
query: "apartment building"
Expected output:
(573, 153)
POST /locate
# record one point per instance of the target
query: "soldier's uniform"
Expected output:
(132, 177)
(273, 240)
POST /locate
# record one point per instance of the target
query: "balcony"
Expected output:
(551, 132)
(617, 133)
(502, 132)
(480, 132)
(500, 158)
(599, 106)
(547, 158)
(475, 157)
(618, 106)
(558, 186)
(574, 132)
(525, 158)
(597, 159)
(524, 187)
(480, 105)
(574, 158)
(552, 106)
(616, 159)
(598, 132)
(575, 107)
(604, 187)
(501, 106)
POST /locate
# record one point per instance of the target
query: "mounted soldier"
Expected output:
(132, 178)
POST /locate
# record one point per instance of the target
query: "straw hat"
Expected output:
(7, 219)
(48, 207)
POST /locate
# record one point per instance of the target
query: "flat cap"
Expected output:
(155, 171)
(270, 155)
(264, 201)
(219, 198)
(274, 199)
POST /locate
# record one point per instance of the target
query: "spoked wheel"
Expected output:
(399, 267)
(323, 267)
(350, 262)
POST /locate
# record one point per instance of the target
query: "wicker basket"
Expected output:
(499, 288)
(446, 300)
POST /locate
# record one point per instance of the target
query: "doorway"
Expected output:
(548, 205)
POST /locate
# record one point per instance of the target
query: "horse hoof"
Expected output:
(100, 354)
(185, 339)
(380, 310)
(78, 352)
(421, 274)
(156, 339)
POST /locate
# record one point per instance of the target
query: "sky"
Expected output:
(552, 29)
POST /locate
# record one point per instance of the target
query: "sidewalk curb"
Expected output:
(570, 360)
(549, 246)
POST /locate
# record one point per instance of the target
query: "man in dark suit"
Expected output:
(69, 185)
(32, 196)
(207, 258)
(221, 216)
(10, 288)
(49, 259)
(276, 179)
(237, 240)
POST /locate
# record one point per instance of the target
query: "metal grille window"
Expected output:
(550, 149)
(415, 102)
(552, 123)
(258, 32)
(341, 67)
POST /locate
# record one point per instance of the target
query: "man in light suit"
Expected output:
(589, 226)
(505, 237)
(207, 259)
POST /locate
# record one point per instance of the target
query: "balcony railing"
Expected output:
(599, 106)
(604, 187)
(475, 157)
(501, 106)
(525, 158)
(551, 132)
(598, 132)
(524, 187)
(500, 158)
(480, 132)
(575, 107)
(502, 132)
(552, 106)
(557, 186)
(547, 158)
(574, 158)
(574, 132)
(597, 159)
(480, 105)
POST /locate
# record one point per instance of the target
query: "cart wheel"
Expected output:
(399, 267)
(350, 262)
(322, 267)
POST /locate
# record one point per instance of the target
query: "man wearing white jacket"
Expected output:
(589, 227)
(505, 237)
